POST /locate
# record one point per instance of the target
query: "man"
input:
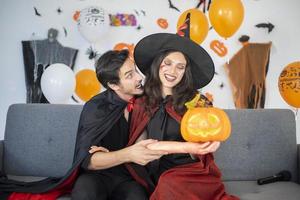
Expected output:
(104, 123)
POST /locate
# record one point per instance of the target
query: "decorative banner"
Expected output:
(122, 20)
(58, 83)
(121, 46)
(162, 23)
(219, 48)
(226, 16)
(289, 84)
(193, 24)
(93, 23)
(87, 84)
(205, 124)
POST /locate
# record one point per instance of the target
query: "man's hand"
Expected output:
(140, 154)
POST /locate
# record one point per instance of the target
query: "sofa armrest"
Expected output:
(1, 154)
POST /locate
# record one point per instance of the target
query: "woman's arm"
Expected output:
(185, 147)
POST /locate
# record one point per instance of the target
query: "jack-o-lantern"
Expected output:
(205, 124)
(218, 47)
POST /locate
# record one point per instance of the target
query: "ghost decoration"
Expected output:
(93, 24)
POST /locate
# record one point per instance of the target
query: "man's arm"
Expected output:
(137, 153)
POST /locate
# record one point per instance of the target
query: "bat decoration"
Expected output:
(200, 3)
(92, 53)
(204, 9)
(208, 6)
(36, 12)
(222, 85)
(59, 11)
(65, 31)
(136, 12)
(244, 38)
(171, 5)
(269, 25)
(139, 27)
(144, 13)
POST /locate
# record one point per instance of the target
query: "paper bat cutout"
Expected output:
(269, 25)
(171, 5)
(36, 12)
(65, 31)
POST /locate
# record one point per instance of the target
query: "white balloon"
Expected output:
(58, 83)
(93, 23)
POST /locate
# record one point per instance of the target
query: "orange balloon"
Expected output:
(205, 124)
(87, 84)
(289, 84)
(198, 24)
(226, 16)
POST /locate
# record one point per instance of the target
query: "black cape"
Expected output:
(97, 118)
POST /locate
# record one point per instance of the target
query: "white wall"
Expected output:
(18, 22)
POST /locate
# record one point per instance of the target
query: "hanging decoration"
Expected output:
(36, 12)
(289, 84)
(122, 20)
(247, 71)
(38, 55)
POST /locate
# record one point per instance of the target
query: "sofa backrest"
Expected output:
(262, 143)
(39, 139)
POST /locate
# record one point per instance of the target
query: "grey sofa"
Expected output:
(40, 138)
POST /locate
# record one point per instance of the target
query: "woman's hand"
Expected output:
(185, 147)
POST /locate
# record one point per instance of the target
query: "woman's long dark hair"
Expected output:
(181, 93)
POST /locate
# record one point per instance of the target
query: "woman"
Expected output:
(175, 68)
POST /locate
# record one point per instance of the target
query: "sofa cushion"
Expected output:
(40, 139)
(249, 190)
(262, 143)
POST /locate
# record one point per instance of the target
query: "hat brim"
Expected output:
(202, 65)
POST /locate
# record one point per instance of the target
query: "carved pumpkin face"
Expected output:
(205, 124)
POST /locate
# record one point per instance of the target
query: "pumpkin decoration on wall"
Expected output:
(219, 48)
(203, 124)
(162, 23)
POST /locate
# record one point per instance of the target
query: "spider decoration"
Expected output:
(92, 53)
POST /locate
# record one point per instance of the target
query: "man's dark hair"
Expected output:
(108, 66)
